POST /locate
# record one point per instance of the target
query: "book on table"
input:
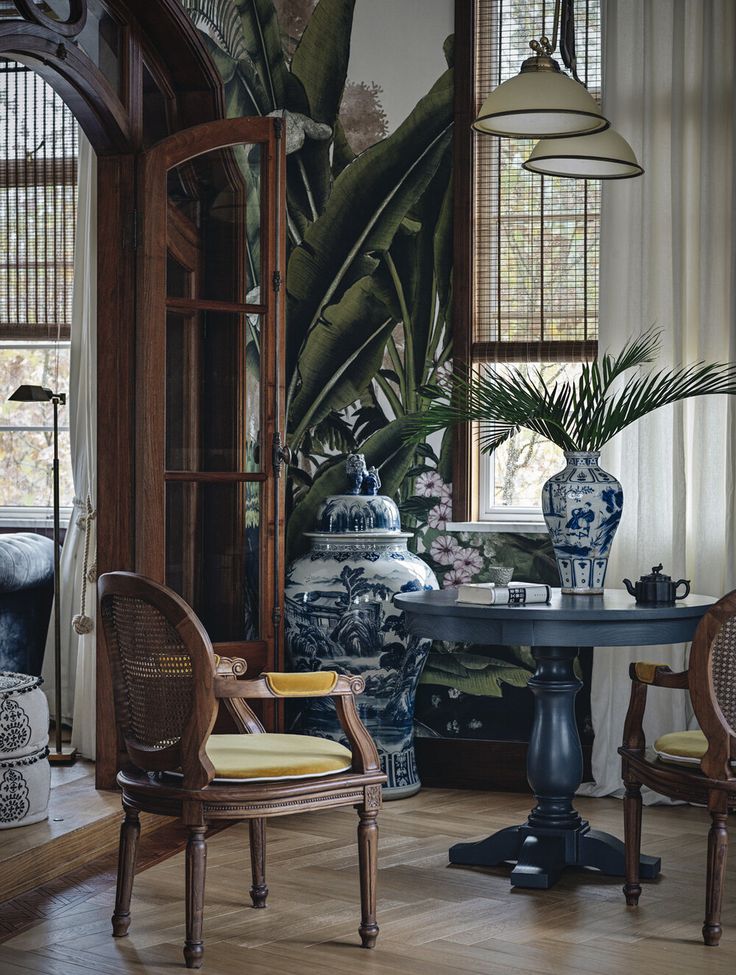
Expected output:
(515, 594)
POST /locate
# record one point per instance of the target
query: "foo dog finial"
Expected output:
(371, 482)
(356, 471)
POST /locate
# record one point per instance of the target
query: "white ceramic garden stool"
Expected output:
(25, 774)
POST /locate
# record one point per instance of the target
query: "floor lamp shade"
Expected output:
(603, 155)
(540, 102)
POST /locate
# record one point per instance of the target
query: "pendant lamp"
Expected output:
(543, 103)
(603, 155)
(540, 102)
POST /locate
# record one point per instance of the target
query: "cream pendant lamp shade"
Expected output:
(603, 155)
(540, 102)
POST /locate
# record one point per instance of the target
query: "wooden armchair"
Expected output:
(696, 766)
(167, 686)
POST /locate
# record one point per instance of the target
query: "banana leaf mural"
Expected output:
(368, 277)
(369, 293)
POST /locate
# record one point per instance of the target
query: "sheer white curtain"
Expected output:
(668, 257)
(78, 650)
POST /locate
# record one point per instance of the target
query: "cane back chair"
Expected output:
(696, 766)
(167, 684)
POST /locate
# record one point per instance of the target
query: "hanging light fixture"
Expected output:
(542, 101)
(603, 155)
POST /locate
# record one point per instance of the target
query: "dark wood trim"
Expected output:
(535, 351)
(115, 411)
(464, 494)
(470, 763)
(193, 305)
(215, 477)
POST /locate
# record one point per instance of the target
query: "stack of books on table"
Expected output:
(515, 594)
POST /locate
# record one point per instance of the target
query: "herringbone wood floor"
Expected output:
(434, 919)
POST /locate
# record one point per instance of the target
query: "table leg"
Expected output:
(554, 836)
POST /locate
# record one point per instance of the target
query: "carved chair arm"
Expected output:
(230, 666)
(643, 676)
(323, 683)
(658, 675)
(318, 684)
(230, 669)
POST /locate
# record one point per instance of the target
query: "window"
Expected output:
(38, 176)
(535, 252)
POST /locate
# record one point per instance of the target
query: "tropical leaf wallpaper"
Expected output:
(369, 289)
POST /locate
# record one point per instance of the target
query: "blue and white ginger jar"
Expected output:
(582, 508)
(340, 616)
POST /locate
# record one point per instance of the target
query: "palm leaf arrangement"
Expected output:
(579, 414)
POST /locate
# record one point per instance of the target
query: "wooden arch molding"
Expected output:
(67, 28)
(76, 79)
(156, 36)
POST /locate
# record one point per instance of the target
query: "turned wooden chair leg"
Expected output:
(632, 841)
(130, 831)
(368, 866)
(196, 865)
(717, 849)
(259, 890)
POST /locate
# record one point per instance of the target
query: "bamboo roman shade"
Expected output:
(38, 176)
(536, 237)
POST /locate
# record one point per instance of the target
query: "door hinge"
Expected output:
(278, 126)
(276, 281)
(280, 454)
(276, 615)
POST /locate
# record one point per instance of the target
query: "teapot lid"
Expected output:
(656, 575)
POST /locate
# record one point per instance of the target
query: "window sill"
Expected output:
(31, 519)
(508, 527)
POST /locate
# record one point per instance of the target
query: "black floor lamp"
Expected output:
(62, 754)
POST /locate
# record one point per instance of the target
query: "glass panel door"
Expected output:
(209, 379)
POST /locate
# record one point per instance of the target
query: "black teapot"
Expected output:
(657, 588)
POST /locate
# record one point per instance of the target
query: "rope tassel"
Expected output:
(81, 622)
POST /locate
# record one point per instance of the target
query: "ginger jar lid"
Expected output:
(361, 509)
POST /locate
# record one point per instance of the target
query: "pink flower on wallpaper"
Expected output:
(469, 560)
(446, 492)
(444, 549)
(440, 514)
(429, 484)
(455, 577)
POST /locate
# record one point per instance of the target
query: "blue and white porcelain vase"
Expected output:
(340, 616)
(582, 508)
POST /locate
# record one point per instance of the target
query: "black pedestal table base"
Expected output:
(554, 836)
(542, 856)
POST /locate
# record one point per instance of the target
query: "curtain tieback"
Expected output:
(81, 622)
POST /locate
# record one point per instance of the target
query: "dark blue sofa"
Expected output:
(26, 594)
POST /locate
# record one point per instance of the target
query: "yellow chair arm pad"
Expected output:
(313, 684)
(646, 672)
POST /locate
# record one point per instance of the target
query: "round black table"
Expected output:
(555, 835)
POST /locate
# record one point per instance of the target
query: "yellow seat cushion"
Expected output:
(682, 747)
(309, 684)
(270, 756)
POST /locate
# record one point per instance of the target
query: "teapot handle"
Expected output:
(686, 584)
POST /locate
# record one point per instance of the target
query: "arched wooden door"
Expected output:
(209, 396)
(133, 72)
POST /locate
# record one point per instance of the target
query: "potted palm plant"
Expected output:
(581, 504)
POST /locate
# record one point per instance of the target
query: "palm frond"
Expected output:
(581, 414)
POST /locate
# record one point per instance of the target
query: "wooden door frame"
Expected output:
(151, 474)
(163, 35)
